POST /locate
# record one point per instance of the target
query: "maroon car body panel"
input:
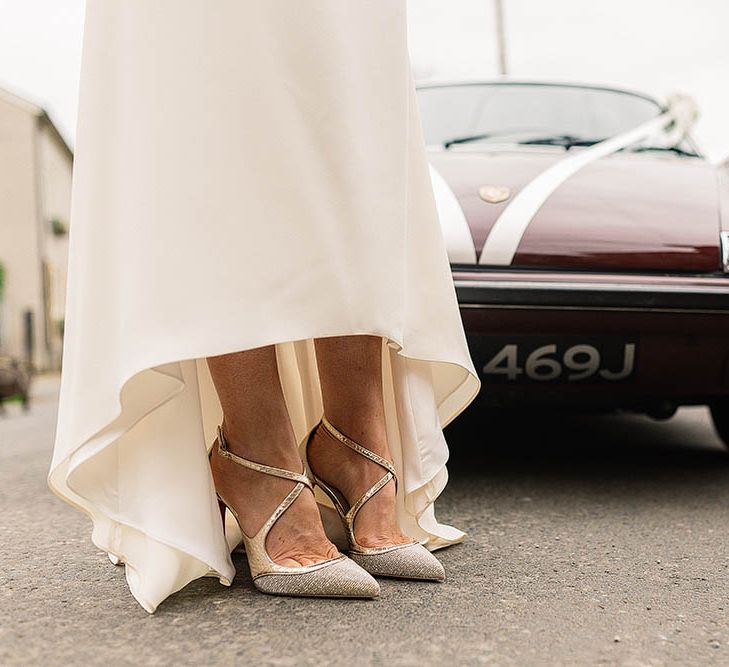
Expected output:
(627, 212)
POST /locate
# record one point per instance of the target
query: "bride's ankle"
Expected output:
(353, 474)
(275, 447)
(336, 463)
(366, 429)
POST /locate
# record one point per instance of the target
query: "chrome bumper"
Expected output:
(586, 295)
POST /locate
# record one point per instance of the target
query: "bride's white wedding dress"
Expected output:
(247, 173)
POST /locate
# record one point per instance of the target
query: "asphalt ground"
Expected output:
(592, 541)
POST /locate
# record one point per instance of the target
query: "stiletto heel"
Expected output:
(335, 577)
(403, 561)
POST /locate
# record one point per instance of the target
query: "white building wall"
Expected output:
(56, 168)
(19, 250)
(35, 187)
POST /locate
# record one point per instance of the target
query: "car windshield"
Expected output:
(530, 113)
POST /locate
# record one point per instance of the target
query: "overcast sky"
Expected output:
(658, 46)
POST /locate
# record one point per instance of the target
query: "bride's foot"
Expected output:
(298, 537)
(376, 523)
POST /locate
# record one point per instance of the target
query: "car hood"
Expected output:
(626, 212)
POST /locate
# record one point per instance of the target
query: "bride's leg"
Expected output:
(256, 425)
(350, 372)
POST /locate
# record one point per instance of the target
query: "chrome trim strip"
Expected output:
(617, 309)
(583, 295)
(724, 244)
(582, 286)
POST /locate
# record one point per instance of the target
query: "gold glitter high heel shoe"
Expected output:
(402, 561)
(336, 577)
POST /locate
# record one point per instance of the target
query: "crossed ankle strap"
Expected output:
(357, 447)
(224, 451)
(376, 458)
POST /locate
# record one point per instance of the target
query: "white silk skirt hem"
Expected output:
(142, 474)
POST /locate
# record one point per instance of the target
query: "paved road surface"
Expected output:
(593, 541)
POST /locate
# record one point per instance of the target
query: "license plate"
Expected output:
(543, 358)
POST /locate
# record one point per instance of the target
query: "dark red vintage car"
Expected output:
(589, 244)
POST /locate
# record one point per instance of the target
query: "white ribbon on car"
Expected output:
(453, 223)
(509, 228)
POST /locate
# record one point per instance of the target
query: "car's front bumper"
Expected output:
(478, 289)
(680, 326)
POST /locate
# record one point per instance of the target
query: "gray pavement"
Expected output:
(592, 541)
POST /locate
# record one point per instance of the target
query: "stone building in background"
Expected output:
(35, 202)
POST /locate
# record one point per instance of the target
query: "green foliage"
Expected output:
(58, 227)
